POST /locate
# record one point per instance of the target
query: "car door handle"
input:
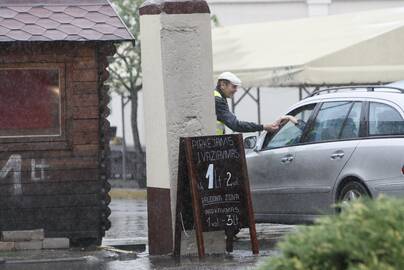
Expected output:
(287, 159)
(338, 155)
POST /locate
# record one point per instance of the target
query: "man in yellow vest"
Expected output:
(227, 85)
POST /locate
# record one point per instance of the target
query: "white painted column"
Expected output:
(318, 7)
(178, 100)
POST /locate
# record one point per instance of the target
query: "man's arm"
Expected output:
(230, 120)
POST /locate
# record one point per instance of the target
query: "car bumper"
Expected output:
(390, 187)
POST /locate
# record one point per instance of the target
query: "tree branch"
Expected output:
(122, 80)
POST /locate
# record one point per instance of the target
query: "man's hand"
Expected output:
(286, 118)
(279, 123)
(271, 127)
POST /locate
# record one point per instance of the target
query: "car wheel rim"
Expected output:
(351, 195)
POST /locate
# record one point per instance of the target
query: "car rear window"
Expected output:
(384, 120)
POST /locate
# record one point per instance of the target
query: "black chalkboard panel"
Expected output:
(213, 188)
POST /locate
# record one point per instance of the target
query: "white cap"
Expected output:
(230, 77)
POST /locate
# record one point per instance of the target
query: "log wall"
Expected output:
(62, 184)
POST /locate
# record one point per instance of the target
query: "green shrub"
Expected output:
(367, 235)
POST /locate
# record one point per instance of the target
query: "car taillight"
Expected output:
(402, 170)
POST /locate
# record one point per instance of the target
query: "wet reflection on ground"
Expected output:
(129, 224)
(128, 219)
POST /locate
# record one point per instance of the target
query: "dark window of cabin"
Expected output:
(30, 102)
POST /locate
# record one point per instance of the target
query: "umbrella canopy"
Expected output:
(355, 48)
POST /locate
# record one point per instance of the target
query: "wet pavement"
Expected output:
(129, 227)
(128, 223)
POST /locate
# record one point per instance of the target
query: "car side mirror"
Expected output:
(250, 142)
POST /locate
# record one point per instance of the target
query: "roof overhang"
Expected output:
(60, 20)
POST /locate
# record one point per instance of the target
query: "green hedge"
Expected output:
(367, 235)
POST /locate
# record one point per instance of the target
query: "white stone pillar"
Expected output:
(178, 100)
(318, 7)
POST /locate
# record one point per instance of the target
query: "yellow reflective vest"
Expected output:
(220, 127)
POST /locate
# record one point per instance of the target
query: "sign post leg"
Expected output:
(181, 178)
(195, 199)
(229, 239)
(177, 240)
(250, 213)
(254, 241)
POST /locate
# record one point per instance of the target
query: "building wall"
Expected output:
(63, 180)
(232, 12)
(243, 12)
(343, 6)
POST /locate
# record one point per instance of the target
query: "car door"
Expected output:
(379, 159)
(327, 146)
(271, 167)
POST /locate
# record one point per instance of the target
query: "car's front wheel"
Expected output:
(352, 191)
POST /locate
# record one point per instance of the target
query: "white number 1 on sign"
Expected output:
(210, 176)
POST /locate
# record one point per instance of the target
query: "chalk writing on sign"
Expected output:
(216, 160)
(14, 165)
(38, 166)
(213, 190)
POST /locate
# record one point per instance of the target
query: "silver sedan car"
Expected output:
(346, 144)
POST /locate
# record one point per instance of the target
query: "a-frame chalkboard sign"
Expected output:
(213, 191)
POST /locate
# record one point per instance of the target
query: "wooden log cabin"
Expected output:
(53, 107)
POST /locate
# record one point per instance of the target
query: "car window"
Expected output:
(352, 122)
(384, 120)
(329, 121)
(290, 133)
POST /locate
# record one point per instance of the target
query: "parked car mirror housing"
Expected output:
(250, 142)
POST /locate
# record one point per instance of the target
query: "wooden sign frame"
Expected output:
(189, 192)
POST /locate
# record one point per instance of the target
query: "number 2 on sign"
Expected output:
(228, 179)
